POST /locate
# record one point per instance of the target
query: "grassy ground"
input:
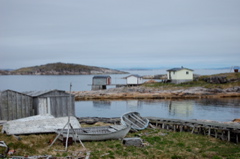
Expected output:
(200, 83)
(158, 144)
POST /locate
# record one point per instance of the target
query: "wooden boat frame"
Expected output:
(134, 120)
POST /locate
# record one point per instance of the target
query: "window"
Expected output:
(187, 73)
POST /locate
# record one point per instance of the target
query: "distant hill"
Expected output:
(61, 69)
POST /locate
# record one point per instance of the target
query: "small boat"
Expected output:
(38, 124)
(96, 133)
(134, 120)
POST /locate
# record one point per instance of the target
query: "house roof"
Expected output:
(135, 75)
(236, 67)
(180, 68)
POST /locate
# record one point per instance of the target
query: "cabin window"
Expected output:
(187, 73)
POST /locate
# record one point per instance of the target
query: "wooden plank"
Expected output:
(131, 123)
(1, 107)
(10, 106)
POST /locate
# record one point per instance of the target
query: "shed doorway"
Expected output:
(44, 106)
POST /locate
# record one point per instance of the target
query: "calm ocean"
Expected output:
(205, 109)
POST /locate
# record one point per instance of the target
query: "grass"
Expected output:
(171, 145)
(199, 83)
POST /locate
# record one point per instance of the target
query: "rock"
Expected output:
(151, 81)
(135, 141)
(236, 120)
(216, 79)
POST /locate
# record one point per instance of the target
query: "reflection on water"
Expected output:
(102, 104)
(225, 109)
(134, 105)
(180, 109)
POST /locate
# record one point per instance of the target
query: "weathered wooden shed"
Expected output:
(100, 82)
(15, 105)
(54, 102)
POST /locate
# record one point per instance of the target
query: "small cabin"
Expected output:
(236, 69)
(54, 102)
(134, 80)
(180, 75)
(15, 105)
(100, 82)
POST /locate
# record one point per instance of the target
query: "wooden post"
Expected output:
(229, 137)
(215, 133)
(181, 128)
(193, 129)
(209, 131)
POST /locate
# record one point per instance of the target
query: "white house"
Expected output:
(134, 80)
(180, 75)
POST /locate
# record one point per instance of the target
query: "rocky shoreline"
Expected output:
(141, 92)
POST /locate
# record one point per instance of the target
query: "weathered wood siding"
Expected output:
(56, 103)
(101, 80)
(15, 105)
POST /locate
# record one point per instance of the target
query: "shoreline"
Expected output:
(157, 93)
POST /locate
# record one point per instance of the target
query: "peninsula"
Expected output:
(213, 86)
(61, 69)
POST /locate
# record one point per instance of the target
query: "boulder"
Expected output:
(135, 141)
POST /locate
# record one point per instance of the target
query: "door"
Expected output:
(44, 106)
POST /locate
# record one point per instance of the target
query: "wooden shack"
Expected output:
(236, 68)
(15, 105)
(54, 102)
(134, 80)
(100, 82)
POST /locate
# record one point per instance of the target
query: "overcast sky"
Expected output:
(120, 33)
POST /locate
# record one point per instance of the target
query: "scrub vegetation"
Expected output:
(157, 144)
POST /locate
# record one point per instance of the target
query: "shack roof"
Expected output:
(179, 68)
(8, 90)
(102, 76)
(39, 93)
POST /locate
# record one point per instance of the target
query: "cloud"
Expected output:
(120, 33)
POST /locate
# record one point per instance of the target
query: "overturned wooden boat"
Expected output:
(38, 124)
(96, 133)
(134, 120)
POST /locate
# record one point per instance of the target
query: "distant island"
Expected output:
(61, 69)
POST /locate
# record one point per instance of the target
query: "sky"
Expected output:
(120, 33)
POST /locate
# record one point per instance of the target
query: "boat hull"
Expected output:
(134, 120)
(113, 132)
(38, 124)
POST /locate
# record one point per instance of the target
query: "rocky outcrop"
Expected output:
(216, 79)
(157, 93)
